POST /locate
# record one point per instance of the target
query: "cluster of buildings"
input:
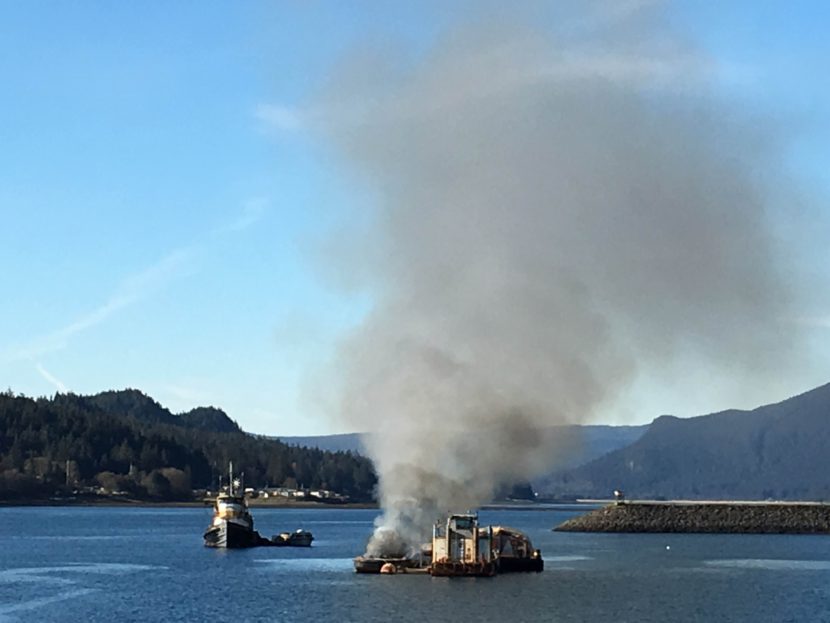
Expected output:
(286, 493)
(298, 494)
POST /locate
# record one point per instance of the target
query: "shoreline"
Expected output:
(257, 503)
(133, 503)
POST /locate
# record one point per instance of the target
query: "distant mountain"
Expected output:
(134, 403)
(345, 442)
(776, 451)
(585, 443)
(591, 441)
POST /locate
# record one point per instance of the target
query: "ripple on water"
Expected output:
(295, 565)
(43, 574)
(38, 602)
(57, 576)
(75, 537)
(771, 564)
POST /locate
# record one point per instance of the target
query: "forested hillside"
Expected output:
(126, 441)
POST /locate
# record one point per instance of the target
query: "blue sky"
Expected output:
(160, 226)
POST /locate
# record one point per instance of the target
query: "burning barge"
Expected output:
(462, 548)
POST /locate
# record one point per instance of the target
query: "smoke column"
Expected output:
(557, 209)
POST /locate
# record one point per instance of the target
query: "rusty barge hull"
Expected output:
(455, 569)
(370, 564)
(509, 564)
(448, 569)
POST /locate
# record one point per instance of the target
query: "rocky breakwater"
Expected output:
(713, 517)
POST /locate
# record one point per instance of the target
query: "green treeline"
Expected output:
(126, 442)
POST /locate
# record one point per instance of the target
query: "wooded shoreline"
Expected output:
(136, 503)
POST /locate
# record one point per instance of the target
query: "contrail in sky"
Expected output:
(129, 291)
(51, 378)
(136, 287)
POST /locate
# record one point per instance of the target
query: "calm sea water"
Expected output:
(148, 564)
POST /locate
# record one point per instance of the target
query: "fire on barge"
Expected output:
(462, 548)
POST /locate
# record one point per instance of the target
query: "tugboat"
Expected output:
(232, 525)
(514, 551)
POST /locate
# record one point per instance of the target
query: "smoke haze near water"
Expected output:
(556, 211)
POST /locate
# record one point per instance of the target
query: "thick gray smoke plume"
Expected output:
(557, 209)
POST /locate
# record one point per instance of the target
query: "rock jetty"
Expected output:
(712, 517)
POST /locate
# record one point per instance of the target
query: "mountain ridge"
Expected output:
(134, 403)
(776, 451)
(591, 440)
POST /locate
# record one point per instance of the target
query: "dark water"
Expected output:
(148, 564)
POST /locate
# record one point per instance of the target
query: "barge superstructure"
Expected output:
(461, 547)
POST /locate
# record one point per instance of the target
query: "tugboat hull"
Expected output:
(227, 534)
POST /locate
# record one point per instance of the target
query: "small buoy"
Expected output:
(388, 567)
(668, 546)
